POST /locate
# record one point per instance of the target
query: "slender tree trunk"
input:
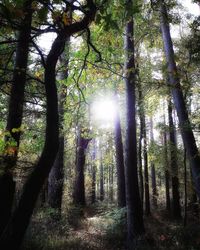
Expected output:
(146, 172)
(135, 225)
(153, 171)
(145, 156)
(15, 113)
(166, 167)
(93, 196)
(141, 183)
(179, 102)
(102, 192)
(176, 208)
(111, 183)
(185, 189)
(154, 186)
(56, 175)
(121, 192)
(79, 185)
(94, 169)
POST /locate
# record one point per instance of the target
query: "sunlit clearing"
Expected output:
(103, 111)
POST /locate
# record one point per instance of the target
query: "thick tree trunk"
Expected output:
(135, 225)
(15, 230)
(179, 102)
(121, 192)
(79, 184)
(55, 179)
(13, 234)
(176, 208)
(15, 113)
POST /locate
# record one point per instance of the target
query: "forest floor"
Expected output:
(102, 227)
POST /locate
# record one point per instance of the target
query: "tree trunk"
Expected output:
(15, 113)
(153, 183)
(153, 171)
(145, 156)
(111, 183)
(94, 169)
(121, 192)
(176, 208)
(56, 176)
(166, 169)
(179, 102)
(146, 172)
(79, 184)
(135, 225)
(55, 179)
(101, 179)
(141, 184)
(93, 196)
(15, 230)
(185, 188)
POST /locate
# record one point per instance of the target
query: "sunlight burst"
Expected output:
(104, 110)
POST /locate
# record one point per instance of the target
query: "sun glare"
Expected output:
(103, 111)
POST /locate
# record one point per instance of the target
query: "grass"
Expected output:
(103, 226)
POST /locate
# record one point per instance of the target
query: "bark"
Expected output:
(13, 234)
(141, 184)
(154, 186)
(55, 179)
(111, 168)
(94, 153)
(93, 196)
(15, 230)
(176, 208)
(56, 175)
(166, 168)
(145, 156)
(135, 226)
(121, 192)
(146, 172)
(101, 188)
(185, 189)
(15, 113)
(79, 184)
(179, 102)
(153, 171)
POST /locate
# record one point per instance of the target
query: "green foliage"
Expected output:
(116, 228)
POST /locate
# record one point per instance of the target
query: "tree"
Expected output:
(144, 151)
(15, 113)
(56, 175)
(79, 184)
(119, 159)
(176, 209)
(15, 230)
(178, 98)
(135, 226)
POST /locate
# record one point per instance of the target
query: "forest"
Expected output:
(99, 124)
